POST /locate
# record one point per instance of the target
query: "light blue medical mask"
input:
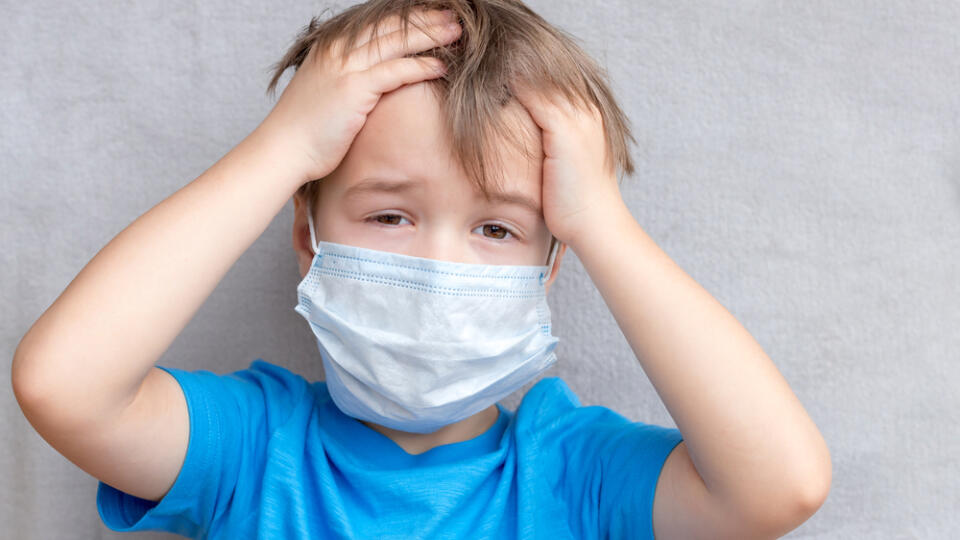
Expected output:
(415, 344)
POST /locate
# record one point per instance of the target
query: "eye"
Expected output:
(387, 219)
(495, 231)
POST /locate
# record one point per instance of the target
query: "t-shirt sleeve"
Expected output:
(231, 418)
(629, 457)
(610, 465)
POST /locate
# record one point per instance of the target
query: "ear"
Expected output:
(301, 236)
(556, 266)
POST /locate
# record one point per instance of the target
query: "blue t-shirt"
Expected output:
(271, 456)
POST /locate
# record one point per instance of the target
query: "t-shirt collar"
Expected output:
(381, 451)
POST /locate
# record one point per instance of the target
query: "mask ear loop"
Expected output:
(313, 237)
(554, 247)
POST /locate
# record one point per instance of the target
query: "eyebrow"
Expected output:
(370, 185)
(378, 184)
(517, 199)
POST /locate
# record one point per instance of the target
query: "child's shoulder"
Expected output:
(551, 410)
(273, 378)
(551, 393)
(273, 370)
(549, 405)
(279, 380)
(261, 388)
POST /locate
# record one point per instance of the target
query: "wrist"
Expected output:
(273, 153)
(607, 221)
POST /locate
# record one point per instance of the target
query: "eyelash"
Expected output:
(508, 232)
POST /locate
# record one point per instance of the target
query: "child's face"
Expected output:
(399, 189)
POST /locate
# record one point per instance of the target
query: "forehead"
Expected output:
(406, 135)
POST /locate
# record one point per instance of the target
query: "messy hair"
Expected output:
(502, 42)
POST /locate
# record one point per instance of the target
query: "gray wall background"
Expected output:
(801, 160)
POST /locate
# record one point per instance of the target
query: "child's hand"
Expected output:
(578, 187)
(325, 104)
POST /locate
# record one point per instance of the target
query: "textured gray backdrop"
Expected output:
(801, 160)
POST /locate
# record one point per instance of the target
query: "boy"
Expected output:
(425, 259)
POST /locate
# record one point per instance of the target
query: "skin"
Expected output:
(724, 393)
(440, 215)
(85, 373)
(752, 464)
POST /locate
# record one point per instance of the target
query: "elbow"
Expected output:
(28, 389)
(23, 372)
(38, 377)
(776, 520)
(796, 500)
(815, 485)
(801, 507)
(813, 493)
(811, 478)
(23, 390)
(36, 391)
(28, 394)
(45, 407)
(804, 500)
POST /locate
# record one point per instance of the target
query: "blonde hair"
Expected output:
(502, 42)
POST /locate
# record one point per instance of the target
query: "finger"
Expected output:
(393, 23)
(393, 45)
(392, 74)
(540, 107)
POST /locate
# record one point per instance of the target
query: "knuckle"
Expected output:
(393, 70)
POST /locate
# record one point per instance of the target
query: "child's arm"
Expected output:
(752, 463)
(84, 373)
